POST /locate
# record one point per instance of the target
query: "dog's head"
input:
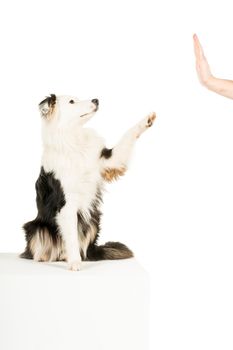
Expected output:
(67, 110)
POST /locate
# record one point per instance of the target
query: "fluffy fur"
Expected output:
(75, 164)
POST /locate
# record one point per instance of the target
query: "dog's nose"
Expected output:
(95, 101)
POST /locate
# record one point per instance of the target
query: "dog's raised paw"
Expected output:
(145, 123)
(75, 265)
(151, 119)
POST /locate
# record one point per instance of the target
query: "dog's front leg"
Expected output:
(114, 162)
(68, 226)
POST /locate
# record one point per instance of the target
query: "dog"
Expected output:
(75, 165)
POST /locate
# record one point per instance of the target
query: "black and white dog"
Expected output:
(75, 165)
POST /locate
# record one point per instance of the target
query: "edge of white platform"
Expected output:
(12, 264)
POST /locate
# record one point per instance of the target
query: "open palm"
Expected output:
(202, 66)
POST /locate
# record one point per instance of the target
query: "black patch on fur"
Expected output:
(110, 250)
(51, 100)
(106, 153)
(50, 199)
(50, 196)
(83, 224)
(26, 254)
(94, 213)
(93, 221)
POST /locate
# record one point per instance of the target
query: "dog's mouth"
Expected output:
(86, 114)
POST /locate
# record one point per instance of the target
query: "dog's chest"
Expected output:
(77, 168)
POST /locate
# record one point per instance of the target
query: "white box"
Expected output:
(44, 306)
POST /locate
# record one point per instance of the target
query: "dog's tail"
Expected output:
(108, 251)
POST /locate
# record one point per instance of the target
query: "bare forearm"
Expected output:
(220, 86)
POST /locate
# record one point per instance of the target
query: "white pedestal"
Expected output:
(43, 306)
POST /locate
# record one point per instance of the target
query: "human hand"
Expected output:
(202, 66)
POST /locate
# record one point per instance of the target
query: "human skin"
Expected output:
(222, 87)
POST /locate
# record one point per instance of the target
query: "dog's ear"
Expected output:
(47, 106)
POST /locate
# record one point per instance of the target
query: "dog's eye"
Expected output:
(71, 101)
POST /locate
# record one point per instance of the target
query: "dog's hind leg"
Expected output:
(42, 244)
(114, 162)
(45, 248)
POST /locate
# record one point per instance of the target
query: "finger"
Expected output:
(198, 47)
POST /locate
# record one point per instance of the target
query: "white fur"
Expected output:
(72, 153)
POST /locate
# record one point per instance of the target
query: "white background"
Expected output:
(174, 207)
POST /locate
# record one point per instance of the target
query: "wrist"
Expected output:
(207, 81)
(210, 82)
